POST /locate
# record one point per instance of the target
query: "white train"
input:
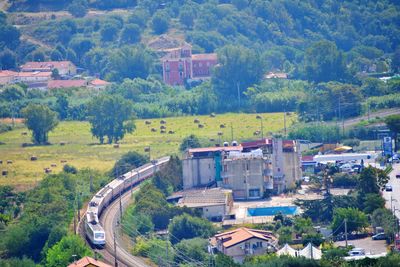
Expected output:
(93, 230)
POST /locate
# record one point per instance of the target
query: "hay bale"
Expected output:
(147, 122)
(256, 133)
(220, 133)
(222, 126)
(212, 115)
(53, 165)
(212, 140)
(196, 121)
(24, 133)
(153, 130)
(258, 117)
(288, 113)
(25, 144)
(63, 143)
(200, 125)
(4, 173)
(163, 131)
(47, 170)
(63, 161)
(1, 162)
(171, 132)
(116, 145)
(34, 158)
(9, 161)
(162, 127)
(147, 149)
(163, 122)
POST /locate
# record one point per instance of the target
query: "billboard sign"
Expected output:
(387, 146)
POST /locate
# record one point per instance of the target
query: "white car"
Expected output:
(357, 252)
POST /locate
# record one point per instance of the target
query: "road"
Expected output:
(393, 198)
(372, 115)
(372, 247)
(108, 220)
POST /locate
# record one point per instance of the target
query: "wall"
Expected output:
(198, 172)
(238, 254)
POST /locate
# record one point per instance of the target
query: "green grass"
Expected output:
(82, 150)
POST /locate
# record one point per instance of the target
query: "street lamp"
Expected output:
(261, 124)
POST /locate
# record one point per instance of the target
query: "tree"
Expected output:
(38, 55)
(61, 254)
(40, 120)
(186, 226)
(186, 17)
(395, 64)
(56, 55)
(7, 59)
(384, 218)
(285, 235)
(78, 8)
(356, 219)
(238, 68)
(368, 181)
(111, 117)
(128, 162)
(130, 62)
(393, 123)
(55, 74)
(194, 249)
(62, 106)
(324, 62)
(109, 32)
(12, 93)
(130, 34)
(191, 141)
(160, 22)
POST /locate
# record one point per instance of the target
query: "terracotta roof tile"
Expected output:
(211, 56)
(98, 82)
(85, 261)
(65, 83)
(242, 234)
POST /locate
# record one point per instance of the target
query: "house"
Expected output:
(180, 65)
(89, 262)
(7, 76)
(276, 75)
(65, 68)
(243, 242)
(31, 77)
(214, 203)
(98, 84)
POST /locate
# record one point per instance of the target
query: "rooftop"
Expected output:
(98, 82)
(211, 56)
(34, 74)
(7, 73)
(65, 83)
(215, 149)
(88, 261)
(46, 64)
(242, 234)
(202, 197)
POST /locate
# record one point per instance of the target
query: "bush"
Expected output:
(160, 22)
(186, 226)
(351, 142)
(70, 169)
(344, 180)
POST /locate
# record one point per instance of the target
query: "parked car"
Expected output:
(388, 188)
(395, 159)
(357, 252)
(398, 175)
(380, 236)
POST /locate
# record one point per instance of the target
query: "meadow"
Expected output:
(83, 151)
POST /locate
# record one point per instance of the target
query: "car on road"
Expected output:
(398, 175)
(395, 158)
(357, 252)
(388, 188)
(380, 236)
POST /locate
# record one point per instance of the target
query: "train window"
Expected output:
(99, 236)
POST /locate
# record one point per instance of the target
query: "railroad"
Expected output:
(103, 214)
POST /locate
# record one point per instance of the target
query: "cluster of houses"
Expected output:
(49, 75)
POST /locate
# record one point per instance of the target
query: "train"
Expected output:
(94, 232)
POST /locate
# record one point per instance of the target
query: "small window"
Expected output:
(225, 168)
(200, 64)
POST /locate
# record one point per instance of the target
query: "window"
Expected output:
(254, 192)
(247, 166)
(226, 180)
(167, 66)
(225, 168)
(200, 64)
(98, 235)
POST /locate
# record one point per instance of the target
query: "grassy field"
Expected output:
(82, 150)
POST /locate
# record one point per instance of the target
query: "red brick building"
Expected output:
(180, 65)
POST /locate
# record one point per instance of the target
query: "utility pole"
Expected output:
(345, 230)
(91, 184)
(120, 205)
(74, 222)
(115, 252)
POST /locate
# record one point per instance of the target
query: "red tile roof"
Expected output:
(34, 74)
(88, 261)
(46, 65)
(242, 234)
(257, 143)
(98, 82)
(7, 73)
(211, 56)
(66, 83)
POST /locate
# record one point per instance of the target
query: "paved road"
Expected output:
(393, 198)
(108, 220)
(372, 115)
(372, 247)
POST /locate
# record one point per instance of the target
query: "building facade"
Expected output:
(180, 65)
(243, 242)
(65, 68)
(248, 170)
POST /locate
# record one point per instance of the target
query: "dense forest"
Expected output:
(332, 51)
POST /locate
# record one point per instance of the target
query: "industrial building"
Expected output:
(248, 169)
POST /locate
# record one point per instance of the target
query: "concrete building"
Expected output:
(243, 242)
(64, 67)
(248, 170)
(214, 203)
(7, 76)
